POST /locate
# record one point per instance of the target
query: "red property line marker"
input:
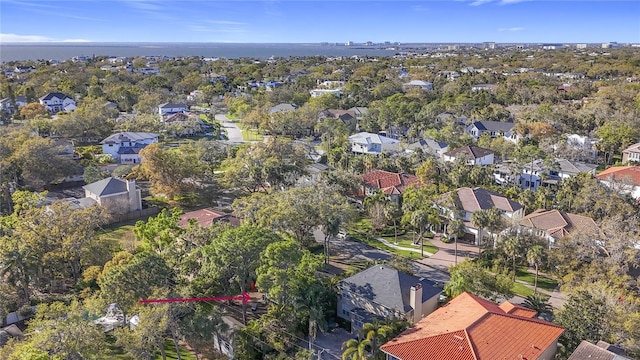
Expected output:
(244, 297)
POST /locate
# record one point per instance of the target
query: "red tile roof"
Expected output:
(469, 327)
(389, 182)
(621, 173)
(206, 217)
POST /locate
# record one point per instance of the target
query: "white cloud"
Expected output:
(516, 28)
(9, 38)
(419, 8)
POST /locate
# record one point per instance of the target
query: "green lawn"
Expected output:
(406, 240)
(544, 282)
(522, 290)
(251, 135)
(122, 234)
(170, 351)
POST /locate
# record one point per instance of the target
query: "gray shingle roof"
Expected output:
(388, 287)
(51, 95)
(108, 186)
(474, 152)
(127, 136)
(487, 125)
(587, 350)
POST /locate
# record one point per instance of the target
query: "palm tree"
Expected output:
(480, 219)
(355, 349)
(539, 303)
(375, 332)
(393, 212)
(456, 228)
(511, 249)
(535, 257)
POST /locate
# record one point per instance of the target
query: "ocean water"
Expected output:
(63, 51)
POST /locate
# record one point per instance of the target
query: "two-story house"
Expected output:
(429, 146)
(348, 117)
(9, 107)
(632, 153)
(473, 155)
(57, 101)
(125, 147)
(469, 327)
(464, 202)
(494, 129)
(118, 196)
(622, 179)
(537, 173)
(171, 108)
(389, 183)
(368, 143)
(382, 292)
(552, 225)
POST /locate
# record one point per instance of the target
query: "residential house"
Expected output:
(382, 292)
(429, 146)
(463, 202)
(632, 153)
(494, 129)
(585, 145)
(469, 327)
(483, 87)
(537, 173)
(319, 92)
(600, 351)
(312, 175)
(346, 116)
(282, 108)
(555, 224)
(171, 108)
(474, 155)
(622, 179)
(368, 143)
(389, 183)
(418, 84)
(57, 101)
(358, 111)
(9, 107)
(207, 217)
(125, 146)
(116, 195)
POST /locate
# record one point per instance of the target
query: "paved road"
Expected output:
(234, 134)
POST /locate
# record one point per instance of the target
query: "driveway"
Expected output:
(329, 345)
(234, 134)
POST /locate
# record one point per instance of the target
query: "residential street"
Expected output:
(234, 134)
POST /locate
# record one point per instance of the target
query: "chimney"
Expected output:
(135, 199)
(415, 301)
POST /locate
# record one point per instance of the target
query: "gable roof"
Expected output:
(575, 167)
(108, 186)
(474, 152)
(206, 217)
(369, 138)
(169, 105)
(429, 144)
(477, 199)
(557, 223)
(284, 108)
(388, 287)
(128, 136)
(587, 350)
(51, 95)
(389, 182)
(632, 148)
(472, 328)
(620, 173)
(488, 125)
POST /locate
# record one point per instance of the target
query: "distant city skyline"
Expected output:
(309, 21)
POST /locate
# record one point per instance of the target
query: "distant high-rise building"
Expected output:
(369, 43)
(348, 43)
(581, 46)
(489, 45)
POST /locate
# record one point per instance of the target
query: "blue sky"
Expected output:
(317, 21)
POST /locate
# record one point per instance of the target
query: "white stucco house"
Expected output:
(171, 108)
(474, 155)
(125, 146)
(57, 101)
(368, 143)
(494, 129)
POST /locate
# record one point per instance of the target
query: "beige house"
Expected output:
(116, 195)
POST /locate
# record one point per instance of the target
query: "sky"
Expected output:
(311, 21)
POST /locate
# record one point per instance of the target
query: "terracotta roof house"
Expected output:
(381, 292)
(632, 153)
(368, 143)
(206, 217)
(471, 328)
(600, 351)
(494, 129)
(390, 183)
(622, 179)
(554, 224)
(466, 201)
(474, 155)
(117, 195)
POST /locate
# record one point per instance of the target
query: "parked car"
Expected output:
(342, 235)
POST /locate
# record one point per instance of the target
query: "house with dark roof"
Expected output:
(474, 155)
(207, 217)
(622, 179)
(600, 351)
(346, 116)
(381, 292)
(282, 108)
(538, 173)
(389, 183)
(554, 224)
(172, 108)
(428, 146)
(57, 101)
(125, 147)
(494, 129)
(471, 328)
(462, 203)
(116, 195)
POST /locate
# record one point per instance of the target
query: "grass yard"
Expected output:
(522, 290)
(406, 240)
(544, 283)
(170, 351)
(251, 135)
(121, 233)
